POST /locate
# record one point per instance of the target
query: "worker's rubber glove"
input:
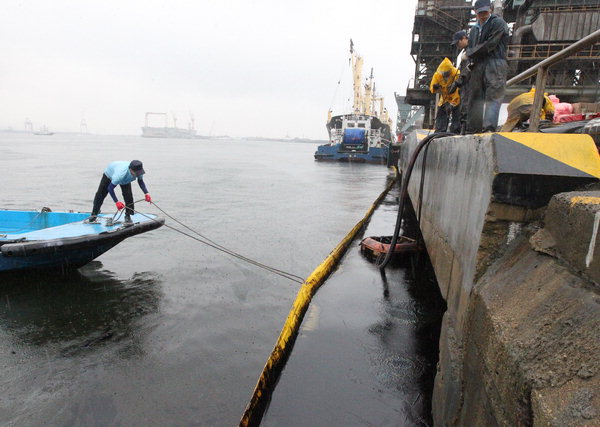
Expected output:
(436, 86)
(148, 198)
(120, 205)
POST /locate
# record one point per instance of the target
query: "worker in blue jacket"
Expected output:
(120, 173)
(488, 42)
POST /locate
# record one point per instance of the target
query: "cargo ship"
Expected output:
(364, 135)
(43, 131)
(166, 131)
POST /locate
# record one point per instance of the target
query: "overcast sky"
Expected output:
(241, 67)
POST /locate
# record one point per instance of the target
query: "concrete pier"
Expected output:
(513, 246)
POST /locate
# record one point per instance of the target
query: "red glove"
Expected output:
(120, 205)
(148, 198)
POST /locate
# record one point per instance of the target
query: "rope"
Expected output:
(337, 86)
(205, 240)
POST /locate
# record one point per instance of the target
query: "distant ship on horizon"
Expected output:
(166, 131)
(43, 131)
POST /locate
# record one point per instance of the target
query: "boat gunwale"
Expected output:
(25, 248)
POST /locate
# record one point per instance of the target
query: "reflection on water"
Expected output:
(370, 358)
(416, 320)
(77, 311)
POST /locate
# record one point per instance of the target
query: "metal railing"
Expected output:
(439, 17)
(540, 70)
(542, 51)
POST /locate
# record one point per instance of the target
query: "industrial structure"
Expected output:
(28, 125)
(166, 131)
(409, 117)
(539, 28)
(83, 129)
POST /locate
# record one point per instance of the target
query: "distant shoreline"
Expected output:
(247, 138)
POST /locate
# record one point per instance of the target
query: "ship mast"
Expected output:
(374, 101)
(368, 101)
(357, 63)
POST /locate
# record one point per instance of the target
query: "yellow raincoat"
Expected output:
(519, 109)
(452, 98)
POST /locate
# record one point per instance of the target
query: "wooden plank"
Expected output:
(538, 99)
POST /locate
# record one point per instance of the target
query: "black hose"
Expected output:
(404, 192)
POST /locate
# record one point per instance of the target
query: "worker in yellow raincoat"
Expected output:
(519, 110)
(448, 106)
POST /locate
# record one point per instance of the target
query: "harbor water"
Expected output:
(162, 330)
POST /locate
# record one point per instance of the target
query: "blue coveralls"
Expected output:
(487, 51)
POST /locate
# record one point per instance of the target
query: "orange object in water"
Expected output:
(375, 246)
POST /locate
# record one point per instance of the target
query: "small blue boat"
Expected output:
(31, 240)
(356, 138)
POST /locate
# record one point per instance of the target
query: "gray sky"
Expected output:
(243, 68)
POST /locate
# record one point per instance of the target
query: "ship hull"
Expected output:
(335, 153)
(357, 138)
(34, 240)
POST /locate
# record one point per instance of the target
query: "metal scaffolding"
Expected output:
(409, 117)
(435, 23)
(543, 28)
(539, 29)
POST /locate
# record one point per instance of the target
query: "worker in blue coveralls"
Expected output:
(488, 43)
(120, 173)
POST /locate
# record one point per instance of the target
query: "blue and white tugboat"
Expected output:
(32, 240)
(364, 135)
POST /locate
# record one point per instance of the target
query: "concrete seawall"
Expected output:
(513, 251)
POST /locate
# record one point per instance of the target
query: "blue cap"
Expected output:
(459, 35)
(482, 6)
(137, 166)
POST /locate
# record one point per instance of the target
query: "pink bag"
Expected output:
(560, 108)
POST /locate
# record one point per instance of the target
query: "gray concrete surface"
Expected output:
(479, 193)
(572, 222)
(533, 350)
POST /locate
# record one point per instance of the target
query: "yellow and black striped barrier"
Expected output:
(270, 374)
(571, 155)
